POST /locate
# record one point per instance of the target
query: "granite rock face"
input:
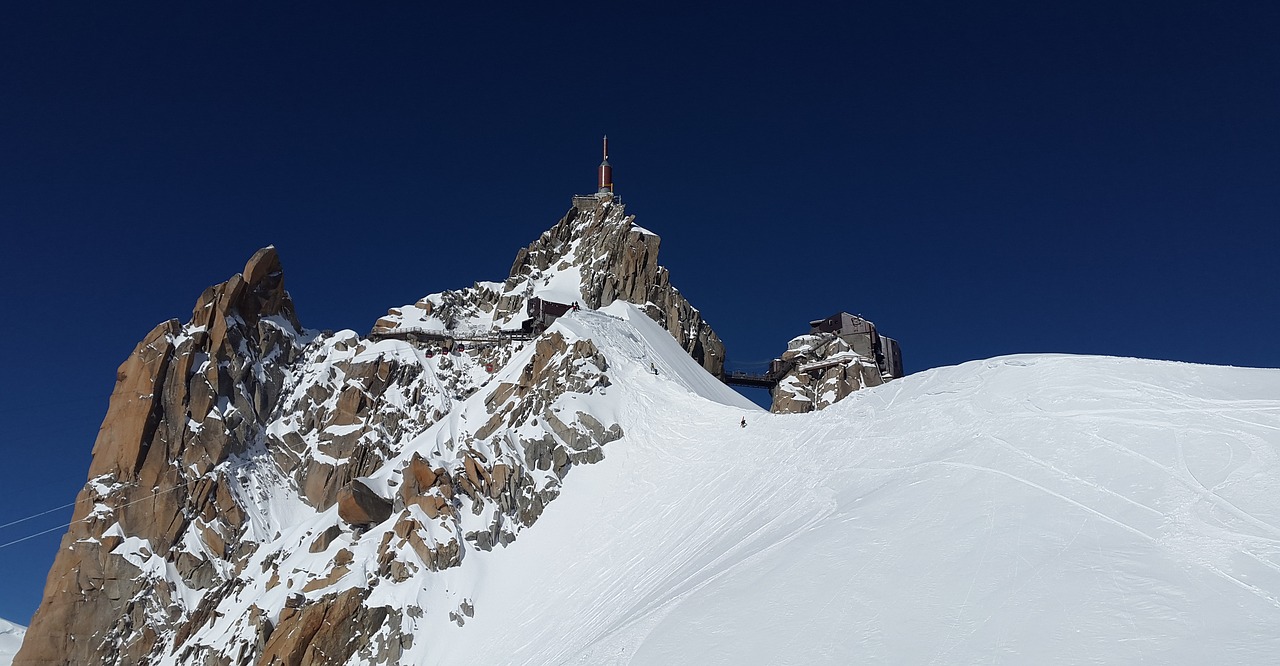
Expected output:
(358, 505)
(619, 261)
(186, 400)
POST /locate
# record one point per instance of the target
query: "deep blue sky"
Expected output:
(977, 178)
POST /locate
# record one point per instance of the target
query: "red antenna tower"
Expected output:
(605, 174)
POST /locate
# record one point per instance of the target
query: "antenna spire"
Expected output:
(604, 175)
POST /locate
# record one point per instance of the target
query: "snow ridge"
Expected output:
(1042, 509)
(10, 640)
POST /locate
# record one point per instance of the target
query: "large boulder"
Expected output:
(359, 505)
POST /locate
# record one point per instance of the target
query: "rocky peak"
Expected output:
(256, 293)
(824, 369)
(593, 256)
(187, 400)
(616, 259)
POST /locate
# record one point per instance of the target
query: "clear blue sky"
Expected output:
(977, 178)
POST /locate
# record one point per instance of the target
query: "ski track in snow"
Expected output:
(1024, 509)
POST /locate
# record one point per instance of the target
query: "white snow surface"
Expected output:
(10, 640)
(1028, 509)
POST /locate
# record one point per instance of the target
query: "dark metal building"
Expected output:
(862, 336)
(543, 313)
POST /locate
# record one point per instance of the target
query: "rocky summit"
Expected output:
(445, 431)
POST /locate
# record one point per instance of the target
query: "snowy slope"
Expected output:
(1033, 509)
(10, 640)
(641, 344)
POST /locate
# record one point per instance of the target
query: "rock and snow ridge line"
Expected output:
(240, 449)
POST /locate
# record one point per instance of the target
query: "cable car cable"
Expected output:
(36, 515)
(152, 496)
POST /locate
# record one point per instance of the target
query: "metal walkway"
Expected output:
(739, 378)
(767, 379)
(416, 334)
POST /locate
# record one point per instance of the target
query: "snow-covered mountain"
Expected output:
(10, 638)
(253, 477)
(467, 486)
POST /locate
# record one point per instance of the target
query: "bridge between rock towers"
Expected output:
(484, 336)
(416, 335)
(767, 379)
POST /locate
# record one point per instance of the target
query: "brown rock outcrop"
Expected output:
(324, 633)
(358, 505)
(616, 260)
(134, 408)
(624, 267)
(824, 370)
(427, 488)
(322, 540)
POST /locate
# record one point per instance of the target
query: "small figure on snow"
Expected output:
(653, 368)
(744, 422)
(575, 306)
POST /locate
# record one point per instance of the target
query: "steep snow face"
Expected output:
(1037, 509)
(10, 639)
